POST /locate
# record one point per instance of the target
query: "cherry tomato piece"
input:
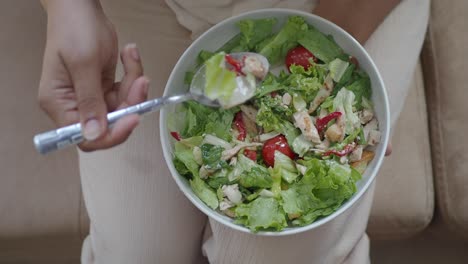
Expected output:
(299, 56)
(277, 143)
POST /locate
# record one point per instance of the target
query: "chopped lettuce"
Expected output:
(269, 85)
(277, 47)
(220, 82)
(324, 187)
(256, 178)
(301, 145)
(204, 192)
(255, 30)
(361, 88)
(211, 156)
(323, 47)
(285, 167)
(185, 155)
(337, 69)
(261, 213)
(344, 102)
(201, 120)
(272, 113)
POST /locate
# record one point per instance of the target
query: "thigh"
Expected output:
(138, 215)
(395, 48)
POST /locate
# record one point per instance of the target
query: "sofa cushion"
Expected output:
(445, 63)
(404, 195)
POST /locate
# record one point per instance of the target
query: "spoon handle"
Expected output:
(70, 135)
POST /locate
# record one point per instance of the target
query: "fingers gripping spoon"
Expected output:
(70, 135)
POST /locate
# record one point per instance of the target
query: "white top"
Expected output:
(198, 16)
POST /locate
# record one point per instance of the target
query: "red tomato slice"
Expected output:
(277, 143)
(251, 154)
(299, 56)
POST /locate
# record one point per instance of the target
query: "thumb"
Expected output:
(90, 98)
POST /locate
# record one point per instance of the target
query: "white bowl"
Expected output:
(219, 34)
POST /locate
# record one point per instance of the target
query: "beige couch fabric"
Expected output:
(40, 196)
(446, 64)
(404, 197)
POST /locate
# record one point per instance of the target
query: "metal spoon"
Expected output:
(70, 135)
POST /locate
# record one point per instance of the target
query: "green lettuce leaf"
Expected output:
(272, 113)
(256, 177)
(204, 192)
(361, 88)
(184, 154)
(301, 145)
(200, 119)
(337, 69)
(344, 102)
(260, 214)
(220, 82)
(255, 30)
(277, 47)
(269, 85)
(211, 156)
(323, 47)
(323, 188)
(285, 167)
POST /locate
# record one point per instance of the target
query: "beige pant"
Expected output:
(137, 213)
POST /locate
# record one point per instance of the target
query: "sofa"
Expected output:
(420, 211)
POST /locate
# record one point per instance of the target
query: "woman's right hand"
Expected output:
(77, 81)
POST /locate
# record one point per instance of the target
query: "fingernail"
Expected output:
(134, 52)
(92, 129)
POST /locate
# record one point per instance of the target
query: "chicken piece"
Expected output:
(287, 98)
(232, 193)
(253, 65)
(366, 157)
(365, 116)
(250, 125)
(372, 125)
(334, 133)
(229, 153)
(229, 212)
(322, 94)
(304, 122)
(225, 204)
(203, 172)
(250, 112)
(356, 154)
(374, 137)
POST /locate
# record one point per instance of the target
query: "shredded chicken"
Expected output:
(304, 122)
(229, 153)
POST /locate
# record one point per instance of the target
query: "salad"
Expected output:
(294, 151)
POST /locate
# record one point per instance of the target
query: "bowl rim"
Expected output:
(164, 135)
